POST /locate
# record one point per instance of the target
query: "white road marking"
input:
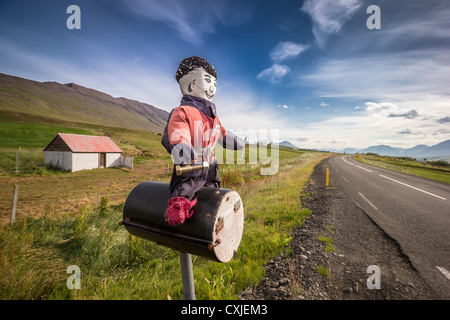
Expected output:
(345, 179)
(431, 194)
(370, 203)
(444, 272)
(364, 168)
(347, 161)
(355, 165)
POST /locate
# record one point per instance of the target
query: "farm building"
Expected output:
(76, 152)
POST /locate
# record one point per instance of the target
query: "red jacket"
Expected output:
(190, 126)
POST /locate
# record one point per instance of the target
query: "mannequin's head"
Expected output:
(197, 77)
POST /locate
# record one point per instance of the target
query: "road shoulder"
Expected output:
(311, 272)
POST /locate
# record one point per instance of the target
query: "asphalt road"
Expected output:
(413, 211)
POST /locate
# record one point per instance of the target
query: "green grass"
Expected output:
(33, 137)
(35, 252)
(15, 134)
(66, 103)
(322, 271)
(328, 241)
(438, 171)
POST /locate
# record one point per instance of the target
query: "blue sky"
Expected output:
(310, 69)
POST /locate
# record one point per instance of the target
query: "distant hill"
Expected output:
(385, 150)
(350, 150)
(72, 102)
(440, 151)
(412, 152)
(287, 144)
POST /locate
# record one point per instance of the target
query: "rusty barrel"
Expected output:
(214, 231)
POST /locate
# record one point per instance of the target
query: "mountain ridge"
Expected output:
(77, 103)
(288, 144)
(440, 151)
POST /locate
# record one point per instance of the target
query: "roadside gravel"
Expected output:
(311, 272)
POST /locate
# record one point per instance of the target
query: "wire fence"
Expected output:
(18, 202)
(47, 190)
(22, 160)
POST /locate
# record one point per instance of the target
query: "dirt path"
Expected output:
(312, 273)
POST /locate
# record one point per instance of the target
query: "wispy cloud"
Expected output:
(282, 51)
(444, 120)
(397, 76)
(192, 19)
(408, 27)
(287, 50)
(274, 74)
(329, 17)
(407, 115)
(400, 71)
(240, 109)
(371, 125)
(286, 107)
(129, 79)
(405, 131)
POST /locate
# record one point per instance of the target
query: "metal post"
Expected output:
(17, 160)
(14, 204)
(187, 276)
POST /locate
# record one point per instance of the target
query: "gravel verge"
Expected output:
(354, 241)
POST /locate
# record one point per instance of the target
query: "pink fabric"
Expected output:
(178, 210)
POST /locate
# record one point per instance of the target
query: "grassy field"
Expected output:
(435, 170)
(69, 219)
(15, 134)
(72, 102)
(33, 133)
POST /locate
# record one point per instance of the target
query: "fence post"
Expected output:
(14, 204)
(17, 160)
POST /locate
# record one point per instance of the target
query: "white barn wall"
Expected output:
(83, 161)
(53, 158)
(113, 160)
(80, 161)
(58, 159)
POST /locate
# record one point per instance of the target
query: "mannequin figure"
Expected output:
(192, 131)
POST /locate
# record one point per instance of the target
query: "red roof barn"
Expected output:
(76, 152)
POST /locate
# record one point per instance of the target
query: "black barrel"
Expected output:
(214, 231)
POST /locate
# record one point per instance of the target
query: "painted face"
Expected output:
(199, 83)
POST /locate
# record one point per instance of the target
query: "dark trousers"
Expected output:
(189, 183)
